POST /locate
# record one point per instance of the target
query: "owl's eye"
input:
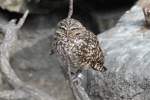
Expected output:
(75, 28)
(60, 30)
(78, 33)
(63, 27)
(59, 33)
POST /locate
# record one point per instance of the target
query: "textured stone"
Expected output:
(34, 65)
(13, 5)
(127, 52)
(93, 10)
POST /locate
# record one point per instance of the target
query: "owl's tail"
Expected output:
(103, 69)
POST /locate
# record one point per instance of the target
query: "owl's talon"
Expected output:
(76, 81)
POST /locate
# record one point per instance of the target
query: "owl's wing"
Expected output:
(89, 51)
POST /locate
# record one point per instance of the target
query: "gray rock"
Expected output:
(59, 8)
(33, 64)
(127, 51)
(13, 5)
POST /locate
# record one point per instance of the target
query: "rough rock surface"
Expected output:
(127, 54)
(45, 6)
(32, 62)
(59, 8)
(13, 5)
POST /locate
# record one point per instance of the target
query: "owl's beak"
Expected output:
(68, 34)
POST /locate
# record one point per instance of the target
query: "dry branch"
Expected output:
(70, 12)
(7, 47)
(77, 89)
(82, 93)
(21, 89)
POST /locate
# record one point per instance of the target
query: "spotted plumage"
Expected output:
(73, 41)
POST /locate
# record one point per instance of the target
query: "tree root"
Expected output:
(21, 90)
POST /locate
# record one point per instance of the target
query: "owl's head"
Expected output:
(70, 27)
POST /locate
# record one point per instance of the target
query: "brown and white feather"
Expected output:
(81, 46)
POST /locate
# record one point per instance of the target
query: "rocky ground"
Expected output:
(126, 49)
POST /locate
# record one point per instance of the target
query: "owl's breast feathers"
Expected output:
(85, 51)
(81, 46)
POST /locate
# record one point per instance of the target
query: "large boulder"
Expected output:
(45, 6)
(126, 49)
(93, 10)
(127, 53)
(13, 5)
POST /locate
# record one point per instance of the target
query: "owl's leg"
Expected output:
(76, 80)
(77, 77)
(52, 44)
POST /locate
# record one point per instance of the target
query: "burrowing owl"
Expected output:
(75, 42)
